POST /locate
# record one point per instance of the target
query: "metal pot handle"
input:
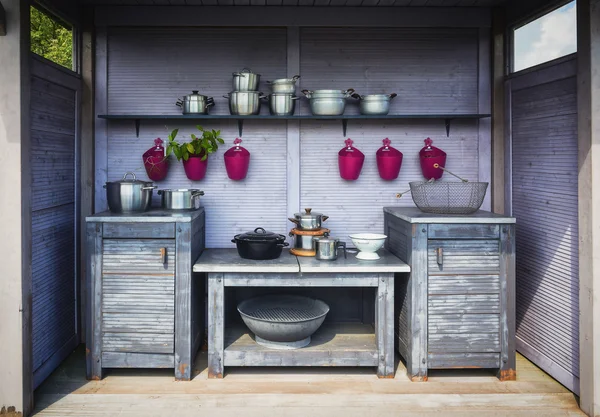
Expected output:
(209, 104)
(149, 188)
(392, 95)
(295, 98)
(226, 96)
(343, 246)
(179, 102)
(349, 92)
(261, 96)
(197, 193)
(357, 96)
(296, 222)
(295, 78)
(159, 192)
(323, 218)
(307, 93)
(283, 244)
(127, 173)
(243, 73)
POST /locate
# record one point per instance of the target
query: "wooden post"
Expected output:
(498, 106)
(183, 303)
(384, 319)
(416, 362)
(588, 103)
(16, 371)
(216, 324)
(93, 341)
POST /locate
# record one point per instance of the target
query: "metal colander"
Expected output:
(441, 197)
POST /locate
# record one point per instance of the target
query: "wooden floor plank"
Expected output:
(302, 392)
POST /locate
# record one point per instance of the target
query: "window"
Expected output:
(549, 37)
(51, 38)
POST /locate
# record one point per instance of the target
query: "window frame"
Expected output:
(510, 36)
(67, 22)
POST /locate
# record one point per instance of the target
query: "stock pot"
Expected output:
(245, 80)
(244, 103)
(375, 104)
(128, 195)
(284, 85)
(182, 199)
(195, 103)
(308, 220)
(259, 244)
(282, 104)
(328, 102)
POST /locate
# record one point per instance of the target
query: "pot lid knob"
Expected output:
(260, 230)
(195, 91)
(307, 210)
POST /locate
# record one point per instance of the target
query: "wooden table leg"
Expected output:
(184, 362)
(216, 325)
(384, 325)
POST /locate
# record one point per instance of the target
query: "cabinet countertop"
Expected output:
(228, 260)
(150, 216)
(414, 215)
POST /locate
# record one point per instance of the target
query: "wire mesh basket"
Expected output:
(442, 197)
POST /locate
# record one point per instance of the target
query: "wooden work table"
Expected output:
(334, 344)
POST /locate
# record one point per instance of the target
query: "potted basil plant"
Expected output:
(195, 153)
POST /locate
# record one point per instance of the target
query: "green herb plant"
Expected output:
(199, 145)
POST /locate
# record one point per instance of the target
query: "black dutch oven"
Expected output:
(259, 244)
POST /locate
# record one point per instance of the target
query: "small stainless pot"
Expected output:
(375, 104)
(327, 102)
(308, 220)
(245, 80)
(244, 103)
(326, 247)
(128, 195)
(282, 104)
(195, 103)
(284, 85)
(182, 199)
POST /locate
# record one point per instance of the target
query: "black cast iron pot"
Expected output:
(259, 244)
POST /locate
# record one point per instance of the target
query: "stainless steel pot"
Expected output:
(375, 104)
(284, 85)
(326, 247)
(327, 102)
(128, 195)
(195, 103)
(302, 241)
(182, 199)
(308, 220)
(244, 103)
(245, 80)
(282, 104)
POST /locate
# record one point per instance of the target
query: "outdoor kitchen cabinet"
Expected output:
(143, 308)
(456, 309)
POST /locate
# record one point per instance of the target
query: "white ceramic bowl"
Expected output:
(368, 244)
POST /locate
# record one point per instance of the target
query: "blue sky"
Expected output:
(549, 37)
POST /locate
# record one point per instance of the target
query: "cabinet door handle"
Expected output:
(163, 255)
(440, 256)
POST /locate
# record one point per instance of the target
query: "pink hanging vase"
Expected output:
(237, 161)
(350, 161)
(389, 161)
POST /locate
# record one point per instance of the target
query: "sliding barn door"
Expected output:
(54, 102)
(544, 201)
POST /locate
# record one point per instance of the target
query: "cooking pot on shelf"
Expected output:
(282, 104)
(284, 85)
(182, 199)
(326, 247)
(431, 158)
(195, 103)
(375, 104)
(128, 195)
(245, 80)
(308, 220)
(303, 239)
(259, 244)
(244, 103)
(327, 102)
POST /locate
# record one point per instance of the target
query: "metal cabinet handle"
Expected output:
(163, 255)
(440, 256)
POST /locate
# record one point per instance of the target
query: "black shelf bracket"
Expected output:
(137, 127)
(240, 124)
(447, 121)
(344, 126)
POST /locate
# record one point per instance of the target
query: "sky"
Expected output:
(549, 37)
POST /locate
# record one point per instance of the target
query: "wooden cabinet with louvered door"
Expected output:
(138, 296)
(456, 309)
(144, 308)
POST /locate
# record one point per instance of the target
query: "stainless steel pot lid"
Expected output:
(260, 235)
(326, 238)
(308, 214)
(133, 180)
(182, 190)
(285, 80)
(244, 72)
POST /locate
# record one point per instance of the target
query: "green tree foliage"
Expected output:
(51, 39)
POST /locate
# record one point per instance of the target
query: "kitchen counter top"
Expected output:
(150, 216)
(228, 260)
(386, 263)
(414, 215)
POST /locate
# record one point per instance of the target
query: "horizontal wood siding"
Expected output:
(544, 200)
(52, 164)
(432, 70)
(150, 68)
(136, 256)
(464, 256)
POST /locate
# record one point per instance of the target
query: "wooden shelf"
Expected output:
(137, 118)
(334, 344)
